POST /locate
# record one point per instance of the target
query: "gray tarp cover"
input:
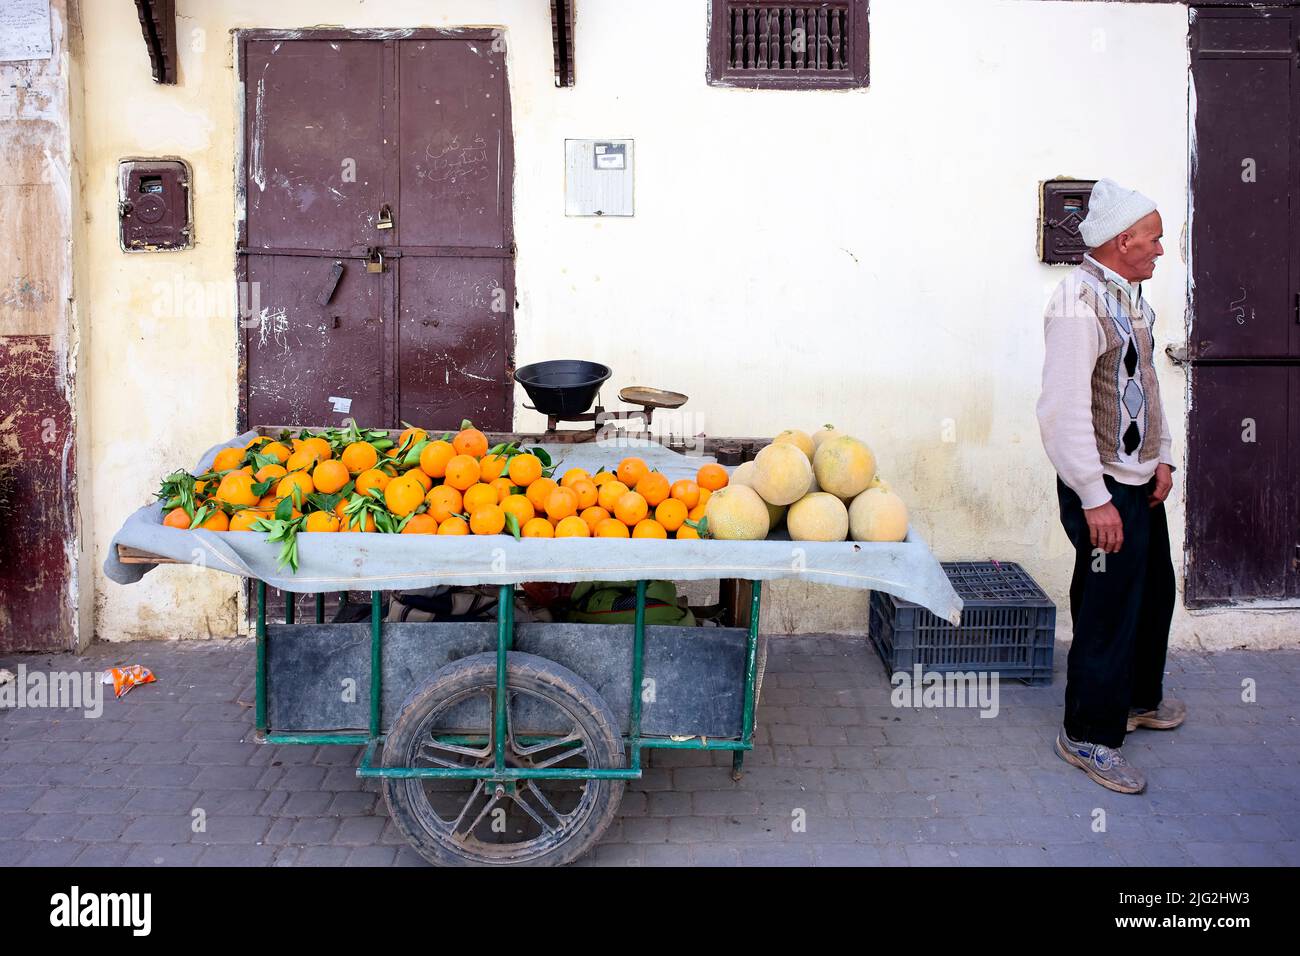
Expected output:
(357, 561)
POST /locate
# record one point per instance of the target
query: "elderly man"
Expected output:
(1104, 430)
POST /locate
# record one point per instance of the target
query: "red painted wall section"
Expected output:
(37, 505)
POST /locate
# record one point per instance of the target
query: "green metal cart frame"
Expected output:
(499, 777)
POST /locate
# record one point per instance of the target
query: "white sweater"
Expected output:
(1085, 406)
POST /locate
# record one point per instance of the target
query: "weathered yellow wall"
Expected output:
(865, 258)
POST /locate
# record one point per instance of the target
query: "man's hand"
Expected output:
(1105, 527)
(1164, 484)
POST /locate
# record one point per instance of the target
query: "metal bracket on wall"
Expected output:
(1177, 354)
(158, 24)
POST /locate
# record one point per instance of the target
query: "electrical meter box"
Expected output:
(153, 204)
(598, 177)
(1063, 204)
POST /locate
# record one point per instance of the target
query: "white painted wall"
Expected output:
(865, 258)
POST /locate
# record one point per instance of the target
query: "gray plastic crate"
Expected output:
(1008, 625)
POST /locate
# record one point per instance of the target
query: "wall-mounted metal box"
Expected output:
(598, 177)
(153, 204)
(1063, 204)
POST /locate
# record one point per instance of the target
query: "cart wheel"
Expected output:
(448, 722)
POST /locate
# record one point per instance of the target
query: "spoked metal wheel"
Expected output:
(554, 720)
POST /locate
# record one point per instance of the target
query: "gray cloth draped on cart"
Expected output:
(357, 561)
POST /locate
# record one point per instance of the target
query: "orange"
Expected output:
(217, 521)
(572, 475)
(609, 494)
(671, 513)
(236, 488)
(268, 502)
(372, 478)
(416, 435)
(593, 516)
(612, 528)
(227, 459)
(654, 488)
(247, 469)
(492, 467)
(359, 456)
(269, 471)
(177, 518)
(630, 508)
(321, 521)
(199, 486)
(423, 523)
(245, 519)
(687, 492)
(503, 487)
(322, 448)
(255, 441)
(572, 527)
(520, 507)
(418, 474)
(686, 531)
(403, 495)
(586, 491)
(600, 477)
(489, 519)
(453, 525)
(561, 503)
(297, 479)
(329, 476)
(278, 449)
(632, 470)
(462, 471)
(711, 476)
(539, 490)
(476, 496)
(525, 469)
(302, 460)
(434, 458)
(537, 528)
(443, 501)
(366, 522)
(649, 528)
(470, 441)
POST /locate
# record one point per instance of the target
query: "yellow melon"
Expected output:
(878, 515)
(744, 475)
(737, 513)
(795, 437)
(878, 482)
(844, 466)
(781, 473)
(818, 517)
(823, 433)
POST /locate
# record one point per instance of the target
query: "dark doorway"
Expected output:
(1243, 500)
(377, 182)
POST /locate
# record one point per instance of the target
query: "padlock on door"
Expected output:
(385, 220)
(375, 261)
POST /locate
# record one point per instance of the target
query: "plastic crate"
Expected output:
(1008, 625)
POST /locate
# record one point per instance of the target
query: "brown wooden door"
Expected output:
(347, 133)
(1243, 511)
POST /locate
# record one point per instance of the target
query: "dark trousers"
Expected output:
(1121, 605)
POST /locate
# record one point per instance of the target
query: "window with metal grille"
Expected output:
(766, 44)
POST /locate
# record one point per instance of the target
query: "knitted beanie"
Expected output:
(1111, 210)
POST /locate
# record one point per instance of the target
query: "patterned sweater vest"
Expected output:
(1126, 413)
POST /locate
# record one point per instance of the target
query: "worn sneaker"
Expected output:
(1167, 716)
(1106, 765)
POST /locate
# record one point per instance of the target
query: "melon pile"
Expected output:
(824, 487)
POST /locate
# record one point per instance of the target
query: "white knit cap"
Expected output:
(1111, 210)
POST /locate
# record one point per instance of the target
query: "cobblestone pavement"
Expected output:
(838, 776)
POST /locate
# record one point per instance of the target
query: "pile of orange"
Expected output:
(359, 481)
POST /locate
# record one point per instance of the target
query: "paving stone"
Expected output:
(877, 785)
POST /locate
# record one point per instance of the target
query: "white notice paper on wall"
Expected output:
(25, 30)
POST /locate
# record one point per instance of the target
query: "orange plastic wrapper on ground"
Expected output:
(124, 678)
